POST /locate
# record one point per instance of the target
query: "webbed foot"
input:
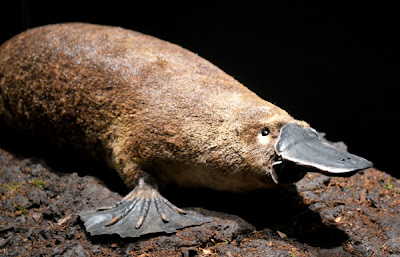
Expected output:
(142, 211)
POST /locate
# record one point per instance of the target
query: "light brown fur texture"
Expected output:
(144, 105)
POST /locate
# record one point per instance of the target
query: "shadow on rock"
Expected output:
(61, 160)
(271, 210)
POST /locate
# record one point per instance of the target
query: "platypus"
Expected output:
(157, 114)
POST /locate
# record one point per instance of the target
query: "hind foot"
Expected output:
(142, 211)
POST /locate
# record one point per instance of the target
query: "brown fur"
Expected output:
(143, 104)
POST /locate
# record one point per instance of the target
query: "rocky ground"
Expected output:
(319, 216)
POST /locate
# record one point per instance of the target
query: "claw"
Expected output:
(110, 206)
(126, 211)
(142, 211)
(113, 221)
(160, 209)
(170, 205)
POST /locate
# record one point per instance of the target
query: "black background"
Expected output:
(332, 65)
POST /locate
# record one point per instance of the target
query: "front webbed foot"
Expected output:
(142, 211)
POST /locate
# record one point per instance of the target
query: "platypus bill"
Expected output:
(158, 114)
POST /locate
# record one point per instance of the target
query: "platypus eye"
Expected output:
(265, 132)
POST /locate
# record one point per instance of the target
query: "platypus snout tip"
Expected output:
(301, 146)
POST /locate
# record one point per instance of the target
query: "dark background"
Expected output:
(332, 65)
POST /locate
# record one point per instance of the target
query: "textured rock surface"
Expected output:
(319, 216)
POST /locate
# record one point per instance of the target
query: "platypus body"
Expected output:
(157, 114)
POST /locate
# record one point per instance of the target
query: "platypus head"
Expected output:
(285, 149)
